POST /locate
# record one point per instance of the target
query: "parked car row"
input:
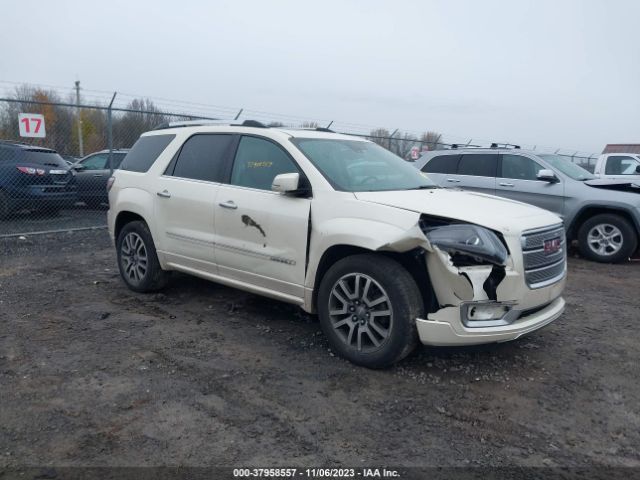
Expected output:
(602, 214)
(37, 178)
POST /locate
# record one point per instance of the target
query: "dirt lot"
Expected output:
(93, 374)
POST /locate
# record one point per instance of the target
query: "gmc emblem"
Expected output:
(551, 246)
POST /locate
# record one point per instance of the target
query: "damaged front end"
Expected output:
(467, 251)
(477, 285)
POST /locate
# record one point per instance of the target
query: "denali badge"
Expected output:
(551, 246)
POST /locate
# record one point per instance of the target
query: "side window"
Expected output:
(95, 162)
(621, 165)
(478, 165)
(257, 163)
(442, 164)
(519, 168)
(116, 160)
(202, 157)
(145, 152)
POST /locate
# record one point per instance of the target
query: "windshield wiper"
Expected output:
(424, 187)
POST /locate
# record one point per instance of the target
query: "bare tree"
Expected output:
(381, 136)
(129, 126)
(432, 140)
(309, 124)
(401, 144)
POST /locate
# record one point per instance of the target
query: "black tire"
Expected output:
(622, 238)
(153, 278)
(5, 208)
(405, 303)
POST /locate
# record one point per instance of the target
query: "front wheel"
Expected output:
(138, 260)
(368, 305)
(607, 238)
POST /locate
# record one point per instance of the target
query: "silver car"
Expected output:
(602, 215)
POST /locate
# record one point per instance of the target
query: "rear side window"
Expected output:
(442, 164)
(116, 159)
(478, 165)
(145, 151)
(202, 158)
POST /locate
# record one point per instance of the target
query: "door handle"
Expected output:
(505, 184)
(164, 194)
(453, 180)
(228, 204)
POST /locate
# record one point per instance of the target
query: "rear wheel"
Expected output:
(138, 260)
(368, 305)
(607, 238)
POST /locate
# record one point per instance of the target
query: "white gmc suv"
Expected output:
(338, 226)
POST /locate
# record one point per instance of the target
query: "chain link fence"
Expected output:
(56, 157)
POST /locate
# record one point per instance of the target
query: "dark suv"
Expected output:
(33, 178)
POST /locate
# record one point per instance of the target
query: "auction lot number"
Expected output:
(31, 125)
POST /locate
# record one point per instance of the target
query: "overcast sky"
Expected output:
(550, 73)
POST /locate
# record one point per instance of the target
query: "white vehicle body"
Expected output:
(618, 166)
(281, 245)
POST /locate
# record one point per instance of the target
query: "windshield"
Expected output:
(357, 166)
(567, 167)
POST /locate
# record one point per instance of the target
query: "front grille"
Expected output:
(543, 268)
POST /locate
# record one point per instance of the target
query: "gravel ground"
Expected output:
(92, 374)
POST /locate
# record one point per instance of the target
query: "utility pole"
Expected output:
(80, 143)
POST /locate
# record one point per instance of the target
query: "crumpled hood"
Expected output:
(504, 215)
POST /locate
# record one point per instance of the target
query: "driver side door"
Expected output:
(261, 235)
(517, 179)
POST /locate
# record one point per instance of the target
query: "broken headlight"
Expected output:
(472, 242)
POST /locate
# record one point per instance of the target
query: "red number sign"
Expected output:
(31, 125)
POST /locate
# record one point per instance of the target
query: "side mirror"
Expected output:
(638, 169)
(547, 176)
(77, 166)
(286, 183)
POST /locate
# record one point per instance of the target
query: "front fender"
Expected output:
(368, 234)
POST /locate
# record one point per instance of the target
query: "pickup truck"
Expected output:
(618, 166)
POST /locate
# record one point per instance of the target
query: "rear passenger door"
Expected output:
(185, 200)
(518, 180)
(442, 169)
(477, 172)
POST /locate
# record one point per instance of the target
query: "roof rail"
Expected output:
(505, 145)
(455, 146)
(203, 123)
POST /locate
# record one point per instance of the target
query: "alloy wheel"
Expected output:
(605, 239)
(134, 257)
(360, 312)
